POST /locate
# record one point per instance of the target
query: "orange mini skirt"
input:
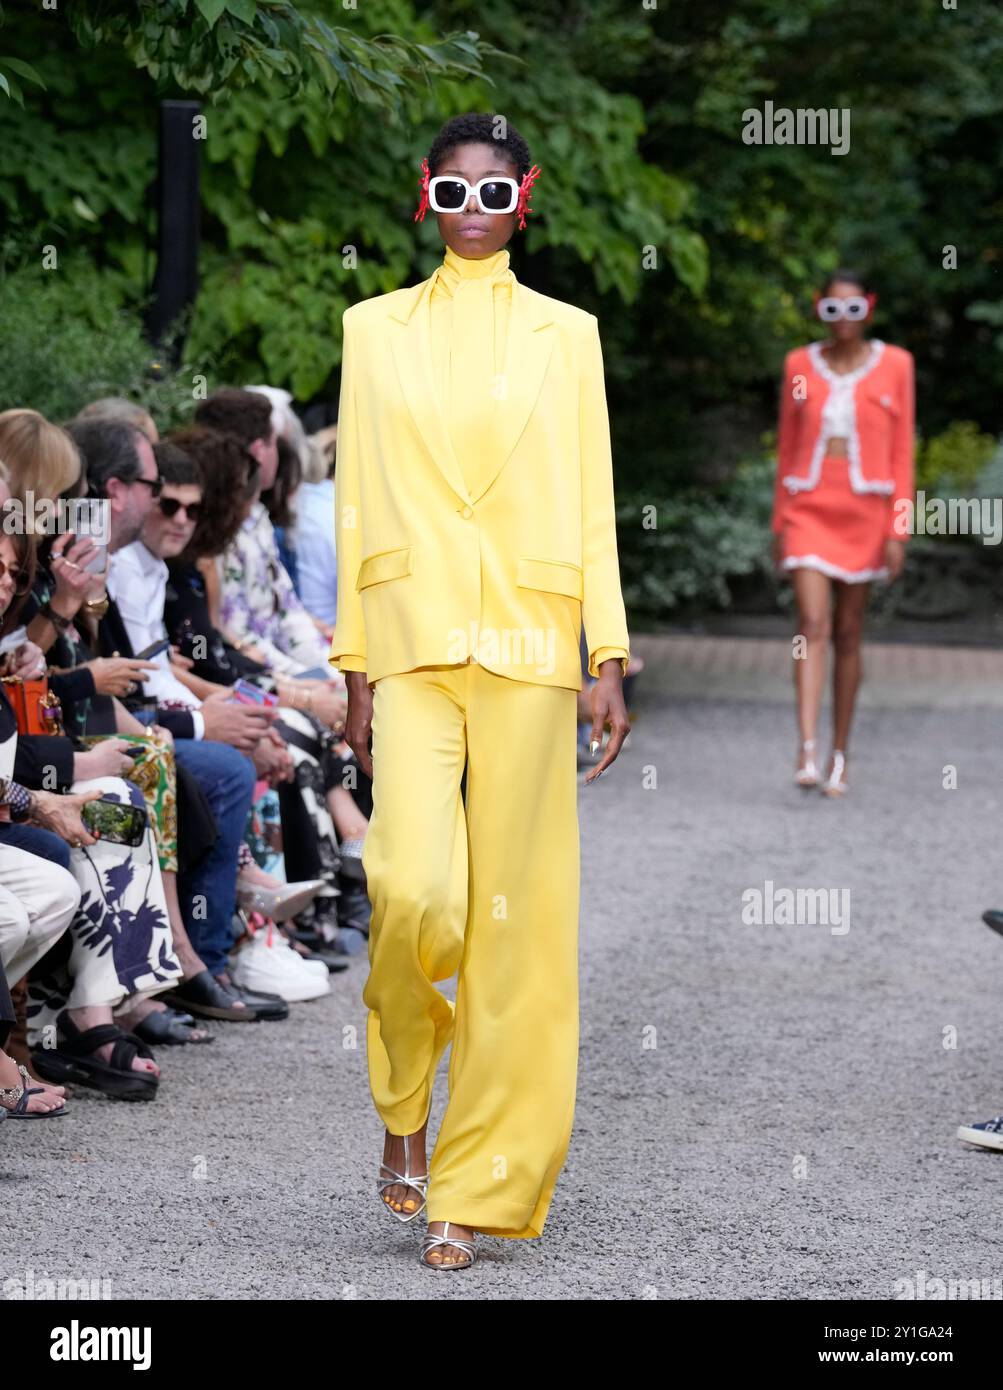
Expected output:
(836, 530)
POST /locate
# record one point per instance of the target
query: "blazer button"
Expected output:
(467, 512)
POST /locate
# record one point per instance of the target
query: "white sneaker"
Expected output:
(268, 964)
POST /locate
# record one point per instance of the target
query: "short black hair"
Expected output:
(480, 128)
(108, 449)
(176, 467)
(853, 276)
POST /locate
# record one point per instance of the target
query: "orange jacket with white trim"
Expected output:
(880, 445)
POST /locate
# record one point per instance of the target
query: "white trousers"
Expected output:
(37, 904)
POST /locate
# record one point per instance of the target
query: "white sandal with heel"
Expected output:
(834, 785)
(807, 776)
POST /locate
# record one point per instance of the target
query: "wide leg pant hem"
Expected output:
(490, 1215)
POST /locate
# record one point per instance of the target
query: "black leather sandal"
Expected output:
(73, 1059)
(172, 1028)
(206, 997)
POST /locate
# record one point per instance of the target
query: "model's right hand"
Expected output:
(359, 724)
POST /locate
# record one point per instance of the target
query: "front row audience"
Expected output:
(192, 685)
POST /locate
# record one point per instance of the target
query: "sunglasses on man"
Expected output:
(170, 506)
(154, 484)
(449, 193)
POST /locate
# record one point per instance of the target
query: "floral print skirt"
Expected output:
(119, 946)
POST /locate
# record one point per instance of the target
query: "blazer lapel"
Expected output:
(527, 354)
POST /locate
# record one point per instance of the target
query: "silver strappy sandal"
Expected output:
(405, 1179)
(431, 1242)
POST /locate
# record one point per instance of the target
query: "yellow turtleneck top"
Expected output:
(455, 268)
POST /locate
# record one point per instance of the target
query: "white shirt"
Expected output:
(137, 581)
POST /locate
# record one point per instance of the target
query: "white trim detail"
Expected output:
(858, 483)
(815, 562)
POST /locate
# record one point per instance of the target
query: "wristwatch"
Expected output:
(56, 619)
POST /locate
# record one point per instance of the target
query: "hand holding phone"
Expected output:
(115, 822)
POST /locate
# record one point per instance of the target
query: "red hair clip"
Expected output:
(423, 203)
(525, 193)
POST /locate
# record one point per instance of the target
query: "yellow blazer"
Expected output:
(431, 573)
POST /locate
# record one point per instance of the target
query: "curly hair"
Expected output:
(230, 476)
(246, 414)
(479, 128)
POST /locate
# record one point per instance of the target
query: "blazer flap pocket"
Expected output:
(387, 564)
(556, 576)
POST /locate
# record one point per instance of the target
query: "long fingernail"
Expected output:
(593, 746)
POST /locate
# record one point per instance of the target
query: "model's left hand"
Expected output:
(608, 708)
(894, 558)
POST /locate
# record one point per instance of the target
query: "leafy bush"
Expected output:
(683, 550)
(949, 464)
(65, 340)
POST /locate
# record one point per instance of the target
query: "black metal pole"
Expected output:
(175, 284)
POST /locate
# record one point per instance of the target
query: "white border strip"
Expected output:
(815, 562)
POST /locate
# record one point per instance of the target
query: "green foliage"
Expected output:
(308, 188)
(684, 550)
(950, 463)
(65, 340)
(213, 47)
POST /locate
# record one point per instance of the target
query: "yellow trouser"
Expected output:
(488, 890)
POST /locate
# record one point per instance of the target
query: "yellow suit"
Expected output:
(461, 590)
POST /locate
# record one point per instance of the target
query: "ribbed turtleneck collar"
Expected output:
(455, 268)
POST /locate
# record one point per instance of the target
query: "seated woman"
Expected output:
(319, 810)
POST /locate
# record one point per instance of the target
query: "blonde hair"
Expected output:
(39, 457)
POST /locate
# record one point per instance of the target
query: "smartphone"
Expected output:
(249, 694)
(154, 649)
(119, 824)
(98, 563)
(136, 751)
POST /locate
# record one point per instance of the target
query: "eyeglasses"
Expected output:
(448, 193)
(155, 485)
(170, 506)
(855, 308)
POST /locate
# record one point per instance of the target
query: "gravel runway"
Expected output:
(765, 1110)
